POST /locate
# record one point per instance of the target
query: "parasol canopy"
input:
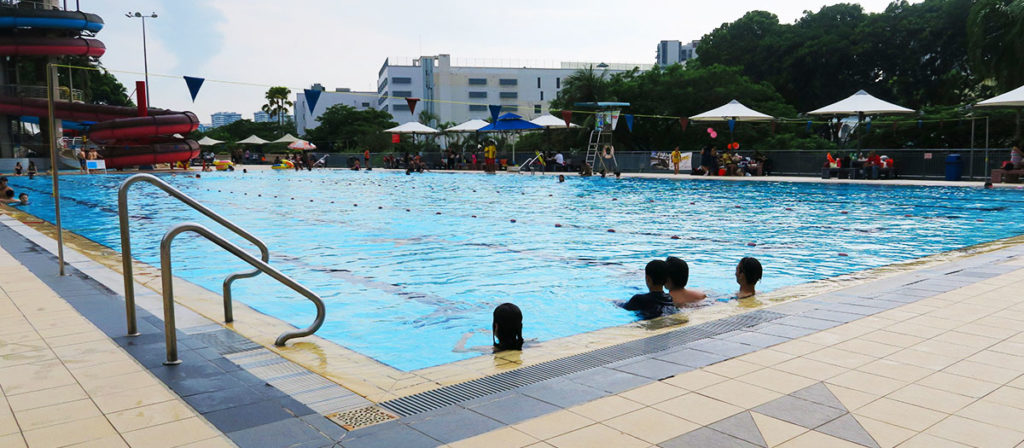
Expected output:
(551, 122)
(861, 103)
(469, 126)
(253, 140)
(1013, 98)
(412, 127)
(302, 145)
(287, 138)
(734, 110)
(510, 122)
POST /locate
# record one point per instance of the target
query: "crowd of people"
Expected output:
(728, 163)
(7, 194)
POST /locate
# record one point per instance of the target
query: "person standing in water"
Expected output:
(748, 273)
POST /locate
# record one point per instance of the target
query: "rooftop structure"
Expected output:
(675, 52)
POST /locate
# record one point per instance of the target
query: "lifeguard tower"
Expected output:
(606, 117)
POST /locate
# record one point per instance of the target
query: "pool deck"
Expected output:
(928, 357)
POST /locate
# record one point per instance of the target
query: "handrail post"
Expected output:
(167, 280)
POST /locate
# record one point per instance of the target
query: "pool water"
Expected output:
(408, 265)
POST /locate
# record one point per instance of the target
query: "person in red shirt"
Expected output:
(873, 164)
(366, 159)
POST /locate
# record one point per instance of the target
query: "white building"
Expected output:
(263, 117)
(306, 120)
(219, 119)
(675, 52)
(460, 93)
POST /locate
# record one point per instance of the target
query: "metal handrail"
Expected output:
(126, 244)
(167, 279)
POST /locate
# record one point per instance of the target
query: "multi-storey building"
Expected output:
(675, 52)
(219, 119)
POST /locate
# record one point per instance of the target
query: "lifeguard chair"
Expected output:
(606, 117)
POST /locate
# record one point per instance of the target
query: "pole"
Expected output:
(145, 60)
(51, 81)
(986, 144)
(971, 174)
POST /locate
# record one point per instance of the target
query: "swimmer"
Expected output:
(507, 328)
(988, 185)
(678, 276)
(748, 273)
(197, 176)
(9, 198)
(655, 302)
(561, 178)
(244, 171)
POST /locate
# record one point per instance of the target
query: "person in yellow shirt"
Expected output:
(490, 152)
(677, 157)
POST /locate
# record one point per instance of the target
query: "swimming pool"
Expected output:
(407, 265)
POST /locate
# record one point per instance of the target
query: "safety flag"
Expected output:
(312, 96)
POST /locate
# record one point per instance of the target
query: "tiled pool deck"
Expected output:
(931, 357)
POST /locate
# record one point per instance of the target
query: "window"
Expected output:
(509, 108)
(366, 104)
(538, 82)
(478, 81)
(400, 107)
(404, 80)
(508, 95)
(536, 109)
(382, 99)
(508, 82)
(542, 95)
(402, 93)
(478, 94)
(477, 108)
(382, 86)
(558, 83)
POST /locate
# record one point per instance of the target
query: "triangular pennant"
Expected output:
(732, 125)
(684, 122)
(495, 110)
(412, 104)
(867, 127)
(193, 84)
(629, 122)
(920, 123)
(312, 96)
(809, 123)
(567, 116)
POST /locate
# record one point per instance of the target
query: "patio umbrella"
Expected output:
(469, 126)
(861, 103)
(1013, 98)
(733, 111)
(253, 140)
(412, 127)
(302, 145)
(551, 122)
(287, 138)
(207, 141)
(510, 122)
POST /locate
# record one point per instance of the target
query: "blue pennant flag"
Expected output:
(732, 125)
(495, 110)
(919, 124)
(193, 84)
(629, 122)
(867, 128)
(809, 126)
(312, 96)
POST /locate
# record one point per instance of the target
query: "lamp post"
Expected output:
(145, 57)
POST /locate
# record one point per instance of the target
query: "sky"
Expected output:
(254, 44)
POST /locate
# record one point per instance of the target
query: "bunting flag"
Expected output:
(867, 127)
(412, 104)
(312, 96)
(732, 124)
(809, 123)
(193, 84)
(629, 122)
(684, 122)
(567, 116)
(495, 110)
(395, 138)
(920, 123)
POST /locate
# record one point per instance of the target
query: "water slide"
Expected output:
(128, 136)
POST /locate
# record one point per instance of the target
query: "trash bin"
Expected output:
(954, 167)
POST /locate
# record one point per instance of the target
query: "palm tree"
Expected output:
(278, 103)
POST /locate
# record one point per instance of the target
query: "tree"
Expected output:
(103, 88)
(278, 103)
(343, 127)
(585, 85)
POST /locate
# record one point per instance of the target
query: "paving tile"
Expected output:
(733, 368)
(799, 412)
(46, 397)
(1008, 417)
(866, 382)
(698, 408)
(392, 434)
(514, 409)
(288, 433)
(151, 415)
(810, 368)
(884, 434)
(895, 370)
(819, 393)
(501, 438)
(223, 399)
(651, 425)
(775, 431)
(756, 339)
(248, 416)
(70, 433)
(923, 359)
(901, 414)
(554, 424)
(695, 380)
(655, 392)
(934, 399)
(786, 331)
(739, 393)
(133, 398)
(605, 408)
(742, 427)
(692, 358)
(766, 357)
(561, 392)
(975, 433)
(848, 428)
(720, 347)
(54, 414)
(1010, 396)
(814, 439)
(798, 347)
(842, 358)
(456, 424)
(608, 380)
(804, 321)
(652, 368)
(596, 435)
(705, 438)
(869, 348)
(834, 316)
(958, 384)
(777, 380)
(929, 441)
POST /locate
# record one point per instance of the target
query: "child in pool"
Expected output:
(678, 276)
(748, 273)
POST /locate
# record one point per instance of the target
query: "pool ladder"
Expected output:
(167, 277)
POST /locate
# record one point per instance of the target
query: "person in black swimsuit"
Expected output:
(655, 302)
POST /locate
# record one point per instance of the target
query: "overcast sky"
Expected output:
(342, 43)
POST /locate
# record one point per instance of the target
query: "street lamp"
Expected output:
(145, 58)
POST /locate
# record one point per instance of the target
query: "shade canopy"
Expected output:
(301, 145)
(469, 126)
(412, 127)
(861, 103)
(734, 110)
(551, 122)
(510, 122)
(287, 138)
(1013, 98)
(207, 141)
(254, 140)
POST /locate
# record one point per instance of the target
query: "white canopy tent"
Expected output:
(207, 141)
(1013, 98)
(287, 138)
(551, 122)
(469, 126)
(734, 110)
(861, 103)
(253, 140)
(412, 127)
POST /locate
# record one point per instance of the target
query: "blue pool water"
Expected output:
(404, 286)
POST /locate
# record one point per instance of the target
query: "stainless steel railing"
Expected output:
(167, 280)
(126, 244)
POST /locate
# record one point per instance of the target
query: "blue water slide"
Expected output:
(49, 19)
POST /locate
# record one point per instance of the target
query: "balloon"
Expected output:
(711, 131)
(714, 134)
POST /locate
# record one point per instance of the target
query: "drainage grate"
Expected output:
(505, 381)
(361, 418)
